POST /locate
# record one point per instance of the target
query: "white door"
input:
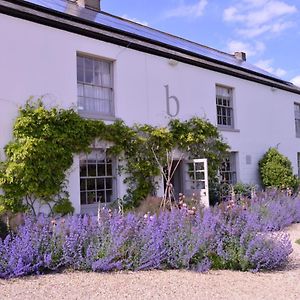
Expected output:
(196, 180)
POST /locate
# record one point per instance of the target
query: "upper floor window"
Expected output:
(224, 103)
(228, 169)
(95, 87)
(297, 118)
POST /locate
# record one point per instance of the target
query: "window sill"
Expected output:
(228, 129)
(97, 117)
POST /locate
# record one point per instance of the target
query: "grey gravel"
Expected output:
(283, 284)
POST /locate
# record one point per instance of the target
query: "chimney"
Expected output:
(240, 56)
(90, 4)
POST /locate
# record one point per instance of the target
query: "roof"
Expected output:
(140, 37)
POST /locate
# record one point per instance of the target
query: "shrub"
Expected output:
(63, 207)
(276, 171)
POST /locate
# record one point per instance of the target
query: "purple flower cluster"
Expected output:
(242, 236)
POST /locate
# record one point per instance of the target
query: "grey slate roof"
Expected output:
(143, 32)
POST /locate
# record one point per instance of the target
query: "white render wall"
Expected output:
(38, 60)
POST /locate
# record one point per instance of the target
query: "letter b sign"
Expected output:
(172, 103)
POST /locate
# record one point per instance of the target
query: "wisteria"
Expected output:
(243, 235)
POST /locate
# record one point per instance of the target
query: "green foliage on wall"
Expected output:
(276, 171)
(45, 141)
(40, 155)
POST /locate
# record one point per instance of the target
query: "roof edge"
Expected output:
(29, 11)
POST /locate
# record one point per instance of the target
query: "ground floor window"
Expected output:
(298, 160)
(228, 169)
(97, 180)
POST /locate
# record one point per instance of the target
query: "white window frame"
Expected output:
(297, 118)
(225, 107)
(298, 163)
(84, 87)
(228, 170)
(104, 179)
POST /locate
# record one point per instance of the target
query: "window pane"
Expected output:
(83, 171)
(80, 90)
(91, 197)
(101, 196)
(91, 170)
(109, 183)
(80, 69)
(91, 184)
(83, 197)
(199, 166)
(98, 80)
(108, 196)
(199, 185)
(101, 170)
(90, 91)
(88, 70)
(200, 176)
(83, 184)
(297, 119)
(100, 184)
(109, 169)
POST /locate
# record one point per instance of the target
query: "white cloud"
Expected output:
(296, 80)
(135, 20)
(267, 66)
(251, 32)
(260, 16)
(250, 49)
(188, 10)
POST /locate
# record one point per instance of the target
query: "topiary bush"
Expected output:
(276, 171)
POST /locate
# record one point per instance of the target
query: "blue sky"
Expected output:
(267, 30)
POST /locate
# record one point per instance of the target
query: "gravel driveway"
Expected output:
(277, 285)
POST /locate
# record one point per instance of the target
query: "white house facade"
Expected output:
(109, 68)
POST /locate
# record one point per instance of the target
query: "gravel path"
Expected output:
(277, 285)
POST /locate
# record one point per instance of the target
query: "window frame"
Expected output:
(297, 119)
(84, 83)
(231, 172)
(112, 161)
(298, 163)
(230, 108)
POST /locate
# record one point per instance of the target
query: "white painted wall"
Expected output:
(37, 60)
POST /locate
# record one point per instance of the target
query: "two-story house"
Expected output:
(107, 67)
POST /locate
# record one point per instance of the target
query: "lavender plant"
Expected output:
(242, 236)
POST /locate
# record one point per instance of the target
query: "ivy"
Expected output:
(45, 141)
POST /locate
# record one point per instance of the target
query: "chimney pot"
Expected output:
(90, 4)
(93, 4)
(240, 56)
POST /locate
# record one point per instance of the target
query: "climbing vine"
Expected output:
(45, 141)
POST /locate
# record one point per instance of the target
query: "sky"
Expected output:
(267, 30)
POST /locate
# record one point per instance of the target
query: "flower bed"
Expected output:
(241, 236)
